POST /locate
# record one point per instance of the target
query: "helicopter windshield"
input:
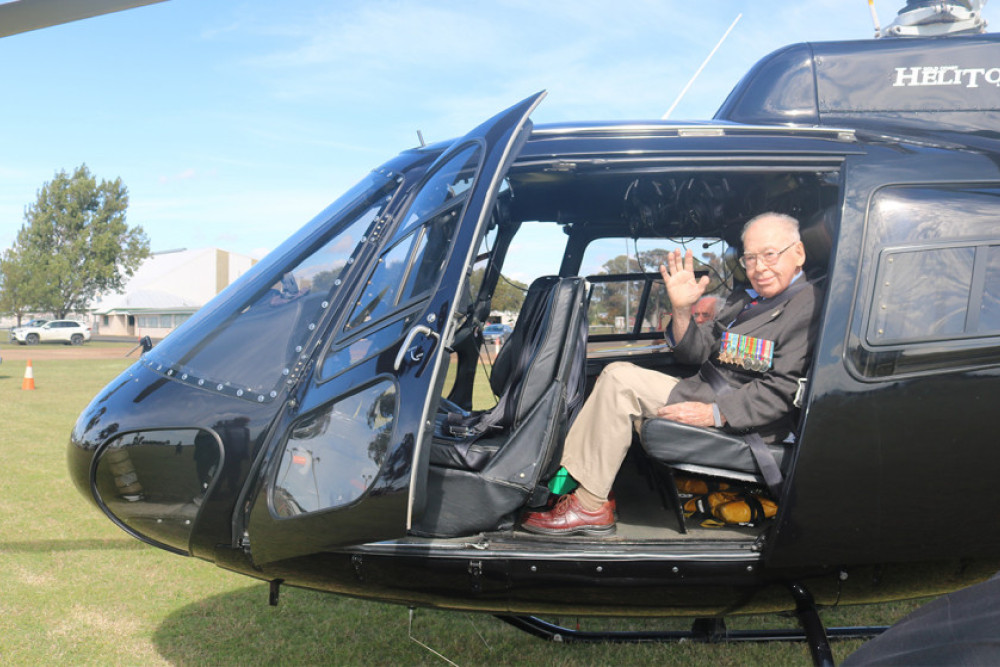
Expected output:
(248, 340)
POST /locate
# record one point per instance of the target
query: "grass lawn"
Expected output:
(77, 590)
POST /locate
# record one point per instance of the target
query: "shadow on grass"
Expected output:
(309, 628)
(48, 546)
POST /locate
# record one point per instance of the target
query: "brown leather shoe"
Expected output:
(569, 518)
(552, 500)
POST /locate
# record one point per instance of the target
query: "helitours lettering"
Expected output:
(946, 75)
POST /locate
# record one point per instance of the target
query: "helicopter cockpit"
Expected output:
(611, 224)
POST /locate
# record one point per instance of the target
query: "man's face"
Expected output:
(768, 235)
(703, 311)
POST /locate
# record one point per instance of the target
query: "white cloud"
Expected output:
(185, 175)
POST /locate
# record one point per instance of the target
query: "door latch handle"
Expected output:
(407, 350)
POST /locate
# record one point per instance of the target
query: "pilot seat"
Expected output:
(485, 466)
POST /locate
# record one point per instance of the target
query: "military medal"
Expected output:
(752, 354)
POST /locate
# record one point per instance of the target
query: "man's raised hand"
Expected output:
(683, 288)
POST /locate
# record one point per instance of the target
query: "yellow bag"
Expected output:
(693, 486)
(731, 507)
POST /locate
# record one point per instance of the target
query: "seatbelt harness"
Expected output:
(758, 448)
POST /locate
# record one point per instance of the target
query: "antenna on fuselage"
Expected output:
(679, 97)
(420, 136)
(878, 28)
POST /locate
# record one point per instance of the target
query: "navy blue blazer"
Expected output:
(759, 401)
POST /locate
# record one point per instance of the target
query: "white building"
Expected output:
(166, 290)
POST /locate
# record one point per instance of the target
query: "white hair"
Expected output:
(787, 221)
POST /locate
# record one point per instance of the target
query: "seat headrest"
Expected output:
(818, 234)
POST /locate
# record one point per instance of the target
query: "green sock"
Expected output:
(562, 483)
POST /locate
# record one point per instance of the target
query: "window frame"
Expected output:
(976, 292)
(944, 215)
(411, 231)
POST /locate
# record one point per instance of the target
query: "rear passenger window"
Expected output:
(929, 296)
(989, 310)
(922, 295)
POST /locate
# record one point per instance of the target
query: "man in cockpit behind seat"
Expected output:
(705, 309)
(760, 344)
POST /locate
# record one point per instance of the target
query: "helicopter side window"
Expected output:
(380, 292)
(449, 182)
(261, 342)
(408, 269)
(904, 310)
(413, 262)
(316, 471)
(933, 271)
(962, 304)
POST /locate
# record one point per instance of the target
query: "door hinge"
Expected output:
(476, 572)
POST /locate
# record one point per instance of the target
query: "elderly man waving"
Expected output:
(760, 345)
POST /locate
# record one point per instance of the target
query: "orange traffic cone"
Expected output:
(29, 377)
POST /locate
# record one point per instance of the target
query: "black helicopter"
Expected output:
(300, 428)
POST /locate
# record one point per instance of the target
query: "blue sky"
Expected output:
(234, 122)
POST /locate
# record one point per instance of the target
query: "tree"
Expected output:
(18, 289)
(76, 242)
(508, 296)
(620, 298)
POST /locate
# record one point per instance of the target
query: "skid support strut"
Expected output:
(713, 630)
(812, 625)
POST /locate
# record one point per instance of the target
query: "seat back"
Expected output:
(528, 363)
(477, 481)
(527, 323)
(557, 349)
(529, 358)
(818, 234)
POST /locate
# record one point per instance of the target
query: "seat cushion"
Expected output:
(461, 455)
(668, 441)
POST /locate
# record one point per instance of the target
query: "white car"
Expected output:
(27, 325)
(69, 332)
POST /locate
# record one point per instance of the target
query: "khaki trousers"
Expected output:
(602, 433)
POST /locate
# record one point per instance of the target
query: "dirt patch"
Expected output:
(85, 351)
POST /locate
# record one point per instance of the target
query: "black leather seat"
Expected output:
(476, 479)
(702, 451)
(525, 365)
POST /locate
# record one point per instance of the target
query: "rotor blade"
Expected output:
(24, 15)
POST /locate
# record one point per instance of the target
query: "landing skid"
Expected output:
(713, 630)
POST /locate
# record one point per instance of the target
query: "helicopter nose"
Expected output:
(152, 483)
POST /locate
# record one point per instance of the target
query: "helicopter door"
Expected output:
(348, 466)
